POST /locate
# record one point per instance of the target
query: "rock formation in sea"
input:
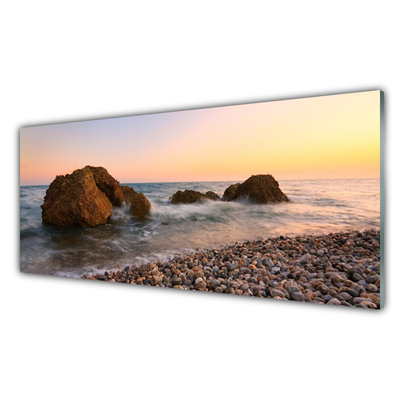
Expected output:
(257, 189)
(230, 192)
(192, 196)
(85, 198)
(212, 196)
(140, 206)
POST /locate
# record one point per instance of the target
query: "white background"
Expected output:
(71, 339)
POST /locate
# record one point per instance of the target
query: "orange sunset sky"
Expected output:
(323, 137)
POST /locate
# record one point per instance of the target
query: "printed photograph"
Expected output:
(277, 199)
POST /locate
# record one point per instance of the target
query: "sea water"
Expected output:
(315, 207)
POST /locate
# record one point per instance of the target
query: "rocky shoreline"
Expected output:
(338, 269)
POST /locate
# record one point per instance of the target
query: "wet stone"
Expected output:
(293, 289)
(372, 288)
(334, 301)
(297, 296)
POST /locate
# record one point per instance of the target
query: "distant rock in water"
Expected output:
(230, 192)
(257, 189)
(86, 198)
(212, 196)
(140, 206)
(192, 196)
(76, 199)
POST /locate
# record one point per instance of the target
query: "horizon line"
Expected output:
(213, 181)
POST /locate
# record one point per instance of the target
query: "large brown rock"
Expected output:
(107, 184)
(76, 199)
(192, 196)
(140, 205)
(257, 189)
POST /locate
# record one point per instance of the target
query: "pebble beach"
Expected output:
(336, 269)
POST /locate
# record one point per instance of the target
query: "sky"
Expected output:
(326, 137)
